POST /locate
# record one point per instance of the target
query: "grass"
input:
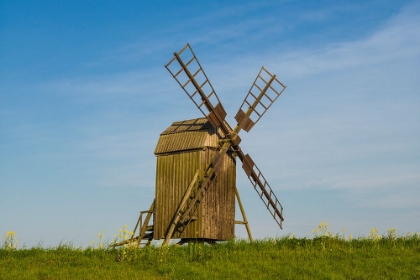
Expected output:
(325, 256)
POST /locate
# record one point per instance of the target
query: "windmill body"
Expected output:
(196, 166)
(183, 148)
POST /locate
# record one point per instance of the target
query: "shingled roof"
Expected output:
(187, 135)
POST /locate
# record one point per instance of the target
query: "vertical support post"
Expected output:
(248, 229)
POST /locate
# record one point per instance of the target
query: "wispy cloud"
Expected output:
(397, 40)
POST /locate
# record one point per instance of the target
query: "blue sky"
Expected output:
(84, 95)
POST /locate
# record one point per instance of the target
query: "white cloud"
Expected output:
(398, 40)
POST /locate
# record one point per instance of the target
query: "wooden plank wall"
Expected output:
(216, 214)
(218, 219)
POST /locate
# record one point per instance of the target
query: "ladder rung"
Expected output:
(191, 60)
(198, 71)
(250, 93)
(262, 104)
(183, 49)
(201, 86)
(178, 72)
(259, 76)
(258, 87)
(184, 85)
(274, 90)
(269, 98)
(256, 112)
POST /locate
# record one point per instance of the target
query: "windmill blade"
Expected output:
(264, 91)
(189, 74)
(262, 187)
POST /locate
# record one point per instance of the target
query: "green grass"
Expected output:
(322, 257)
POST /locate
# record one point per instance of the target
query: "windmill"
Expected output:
(196, 162)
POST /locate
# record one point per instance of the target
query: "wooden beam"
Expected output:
(245, 222)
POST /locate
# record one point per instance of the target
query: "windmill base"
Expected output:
(197, 240)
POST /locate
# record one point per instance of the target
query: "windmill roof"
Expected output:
(188, 125)
(187, 135)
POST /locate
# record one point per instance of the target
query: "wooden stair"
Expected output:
(145, 236)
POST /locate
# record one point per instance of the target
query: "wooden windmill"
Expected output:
(196, 162)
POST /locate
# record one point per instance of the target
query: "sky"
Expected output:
(84, 95)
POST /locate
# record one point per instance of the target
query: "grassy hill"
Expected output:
(325, 256)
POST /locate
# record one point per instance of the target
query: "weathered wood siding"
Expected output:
(182, 149)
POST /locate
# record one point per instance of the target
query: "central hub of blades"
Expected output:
(232, 138)
(235, 139)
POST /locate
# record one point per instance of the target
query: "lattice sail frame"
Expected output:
(263, 189)
(202, 83)
(271, 88)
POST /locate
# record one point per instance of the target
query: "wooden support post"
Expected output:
(248, 229)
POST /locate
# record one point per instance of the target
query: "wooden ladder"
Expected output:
(145, 236)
